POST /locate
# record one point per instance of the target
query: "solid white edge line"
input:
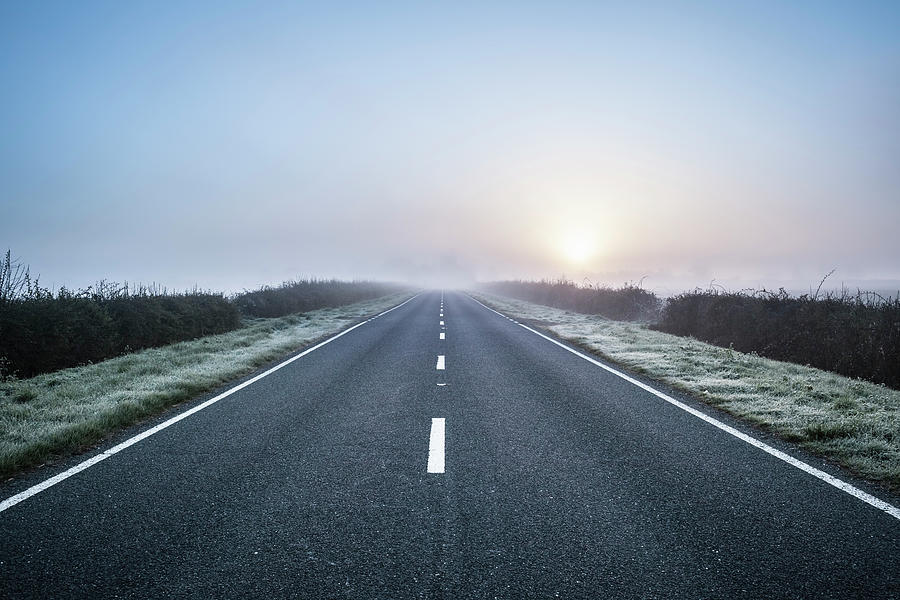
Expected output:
(794, 462)
(440, 362)
(436, 446)
(48, 483)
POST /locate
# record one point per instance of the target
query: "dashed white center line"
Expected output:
(442, 322)
(436, 447)
(440, 362)
(442, 335)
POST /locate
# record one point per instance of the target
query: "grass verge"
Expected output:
(60, 413)
(851, 422)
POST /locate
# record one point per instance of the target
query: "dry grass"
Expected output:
(62, 412)
(852, 422)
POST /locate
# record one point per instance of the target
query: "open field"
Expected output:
(852, 422)
(62, 412)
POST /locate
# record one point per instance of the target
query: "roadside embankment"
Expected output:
(852, 422)
(60, 413)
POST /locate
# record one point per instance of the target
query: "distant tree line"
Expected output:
(42, 330)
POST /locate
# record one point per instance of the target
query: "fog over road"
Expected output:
(443, 451)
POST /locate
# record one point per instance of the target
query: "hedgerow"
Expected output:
(43, 331)
(854, 335)
(308, 294)
(627, 303)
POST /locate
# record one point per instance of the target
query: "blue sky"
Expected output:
(233, 144)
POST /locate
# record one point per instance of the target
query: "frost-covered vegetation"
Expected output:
(62, 412)
(855, 423)
(854, 335)
(141, 349)
(627, 303)
(42, 331)
(308, 294)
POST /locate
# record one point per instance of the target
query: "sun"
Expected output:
(577, 247)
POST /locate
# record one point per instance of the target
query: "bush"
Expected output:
(627, 303)
(42, 331)
(150, 318)
(308, 294)
(856, 336)
(44, 334)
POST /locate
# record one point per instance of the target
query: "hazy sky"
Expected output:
(229, 144)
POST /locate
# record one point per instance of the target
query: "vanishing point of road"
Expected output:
(442, 450)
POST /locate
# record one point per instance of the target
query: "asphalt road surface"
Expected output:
(395, 462)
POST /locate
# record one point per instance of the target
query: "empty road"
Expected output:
(443, 451)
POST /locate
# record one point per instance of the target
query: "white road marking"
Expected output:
(48, 483)
(799, 464)
(442, 335)
(441, 384)
(436, 447)
(442, 322)
(440, 362)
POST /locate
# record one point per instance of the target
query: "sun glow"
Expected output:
(577, 247)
